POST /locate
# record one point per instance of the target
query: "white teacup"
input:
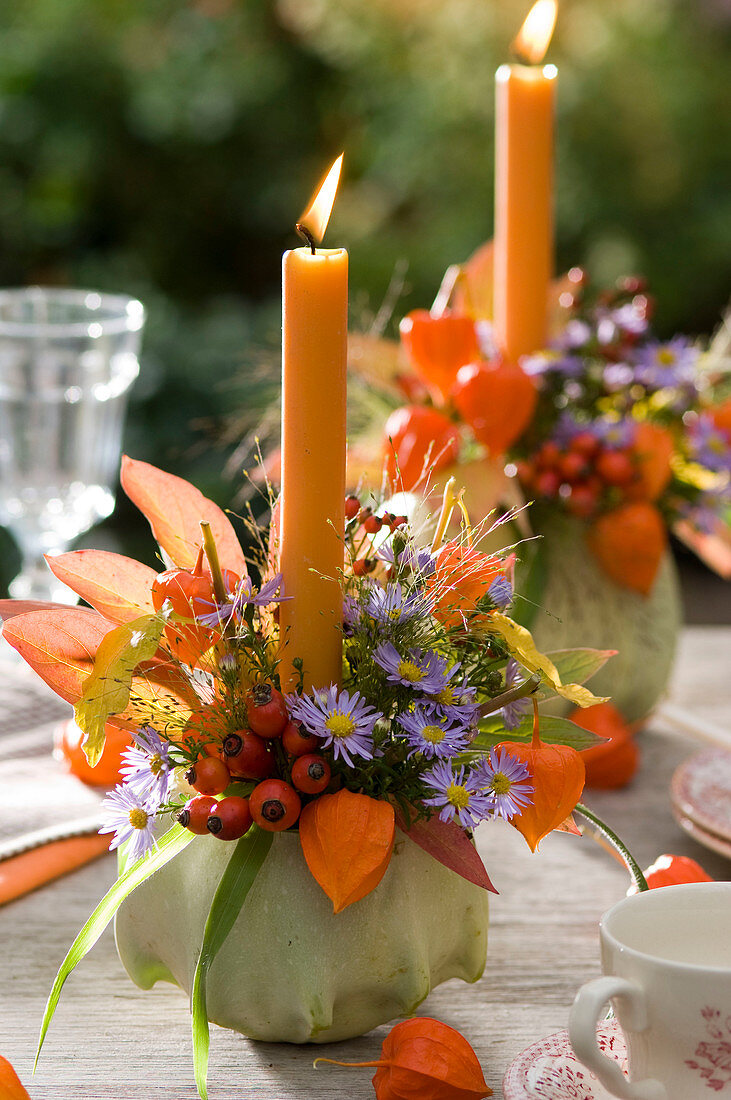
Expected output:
(666, 957)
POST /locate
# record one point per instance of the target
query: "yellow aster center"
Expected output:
(458, 795)
(666, 357)
(394, 614)
(138, 819)
(445, 696)
(500, 783)
(340, 725)
(157, 764)
(407, 670)
(434, 734)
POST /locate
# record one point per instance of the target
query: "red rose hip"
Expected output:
(195, 813)
(274, 805)
(297, 741)
(311, 774)
(230, 818)
(208, 775)
(248, 755)
(266, 711)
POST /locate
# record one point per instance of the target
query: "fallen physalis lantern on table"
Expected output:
(350, 807)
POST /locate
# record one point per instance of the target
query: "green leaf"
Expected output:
(554, 731)
(106, 690)
(576, 666)
(236, 881)
(169, 845)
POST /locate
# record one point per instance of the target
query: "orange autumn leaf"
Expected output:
(59, 645)
(653, 448)
(10, 1084)
(424, 1059)
(557, 774)
(497, 400)
(175, 509)
(461, 577)
(629, 543)
(347, 841)
(438, 346)
(117, 587)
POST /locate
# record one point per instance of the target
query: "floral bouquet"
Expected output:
(615, 436)
(254, 825)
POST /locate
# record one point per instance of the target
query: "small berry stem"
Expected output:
(209, 545)
(638, 879)
(351, 1065)
(536, 741)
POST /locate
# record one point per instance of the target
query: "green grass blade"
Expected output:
(236, 881)
(168, 846)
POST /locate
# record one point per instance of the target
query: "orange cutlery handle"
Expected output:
(23, 873)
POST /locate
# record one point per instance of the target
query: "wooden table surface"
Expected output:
(111, 1040)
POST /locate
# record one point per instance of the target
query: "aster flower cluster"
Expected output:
(622, 416)
(406, 724)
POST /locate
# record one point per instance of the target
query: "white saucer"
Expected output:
(701, 792)
(708, 840)
(549, 1069)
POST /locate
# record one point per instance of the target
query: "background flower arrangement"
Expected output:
(186, 660)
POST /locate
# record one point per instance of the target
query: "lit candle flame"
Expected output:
(317, 215)
(535, 34)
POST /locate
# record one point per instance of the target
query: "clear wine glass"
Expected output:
(67, 360)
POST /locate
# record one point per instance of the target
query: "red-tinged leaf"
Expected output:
(175, 509)
(119, 588)
(59, 645)
(10, 608)
(449, 845)
(569, 826)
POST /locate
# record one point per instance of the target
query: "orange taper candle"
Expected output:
(524, 108)
(312, 511)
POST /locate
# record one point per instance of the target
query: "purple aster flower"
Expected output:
(566, 428)
(617, 376)
(147, 769)
(500, 592)
(709, 446)
(512, 713)
(423, 670)
(457, 703)
(391, 605)
(706, 512)
(575, 334)
(507, 781)
(458, 795)
(665, 366)
(344, 721)
(244, 595)
(419, 560)
(546, 362)
(431, 733)
(614, 433)
(352, 614)
(127, 815)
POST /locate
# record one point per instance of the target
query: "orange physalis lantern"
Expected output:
(653, 448)
(670, 870)
(557, 774)
(497, 400)
(347, 840)
(424, 1059)
(612, 763)
(417, 439)
(462, 576)
(438, 347)
(10, 1084)
(628, 543)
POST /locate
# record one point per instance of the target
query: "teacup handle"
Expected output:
(586, 1012)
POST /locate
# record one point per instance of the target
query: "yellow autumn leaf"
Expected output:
(106, 689)
(524, 649)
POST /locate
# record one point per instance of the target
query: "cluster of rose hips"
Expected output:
(580, 474)
(362, 522)
(273, 804)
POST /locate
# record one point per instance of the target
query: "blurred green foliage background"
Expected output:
(164, 148)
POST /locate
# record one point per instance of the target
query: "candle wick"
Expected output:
(306, 236)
